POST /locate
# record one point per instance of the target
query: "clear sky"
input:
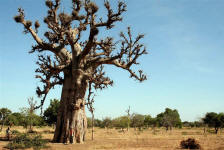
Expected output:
(185, 65)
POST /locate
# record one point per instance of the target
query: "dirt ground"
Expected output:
(148, 139)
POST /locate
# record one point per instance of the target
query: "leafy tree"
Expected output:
(137, 121)
(4, 113)
(106, 123)
(77, 63)
(97, 122)
(170, 118)
(121, 122)
(38, 120)
(215, 120)
(188, 124)
(198, 124)
(12, 120)
(148, 121)
(29, 113)
(50, 114)
(89, 122)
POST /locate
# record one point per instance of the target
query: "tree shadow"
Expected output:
(5, 139)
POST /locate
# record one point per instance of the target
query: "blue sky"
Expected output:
(185, 41)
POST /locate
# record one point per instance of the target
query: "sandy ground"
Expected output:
(113, 139)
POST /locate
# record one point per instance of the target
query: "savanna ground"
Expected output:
(112, 139)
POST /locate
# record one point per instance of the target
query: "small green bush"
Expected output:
(15, 132)
(24, 140)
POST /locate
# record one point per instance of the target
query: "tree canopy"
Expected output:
(50, 114)
(215, 120)
(169, 118)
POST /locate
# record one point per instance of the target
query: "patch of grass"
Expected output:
(24, 140)
(211, 131)
(184, 133)
(15, 132)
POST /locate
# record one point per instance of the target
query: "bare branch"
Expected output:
(49, 76)
(111, 16)
(130, 51)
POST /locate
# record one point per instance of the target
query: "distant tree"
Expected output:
(170, 118)
(89, 122)
(50, 114)
(29, 113)
(214, 120)
(129, 117)
(4, 113)
(38, 120)
(148, 121)
(198, 124)
(106, 123)
(137, 121)
(97, 122)
(221, 118)
(154, 122)
(188, 124)
(121, 122)
(13, 119)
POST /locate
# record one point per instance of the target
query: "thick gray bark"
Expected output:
(71, 120)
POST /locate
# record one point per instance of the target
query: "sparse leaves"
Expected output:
(88, 56)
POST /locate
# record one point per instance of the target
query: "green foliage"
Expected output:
(50, 114)
(89, 122)
(29, 118)
(97, 122)
(170, 118)
(215, 120)
(106, 122)
(4, 112)
(196, 124)
(23, 141)
(137, 120)
(15, 132)
(12, 120)
(149, 121)
(121, 122)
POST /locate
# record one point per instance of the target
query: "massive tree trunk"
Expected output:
(71, 119)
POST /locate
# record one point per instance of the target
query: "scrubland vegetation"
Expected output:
(132, 131)
(116, 139)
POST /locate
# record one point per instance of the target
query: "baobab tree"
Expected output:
(74, 62)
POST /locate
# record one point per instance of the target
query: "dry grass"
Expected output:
(134, 140)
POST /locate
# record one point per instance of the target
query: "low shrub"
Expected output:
(24, 140)
(190, 143)
(15, 132)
